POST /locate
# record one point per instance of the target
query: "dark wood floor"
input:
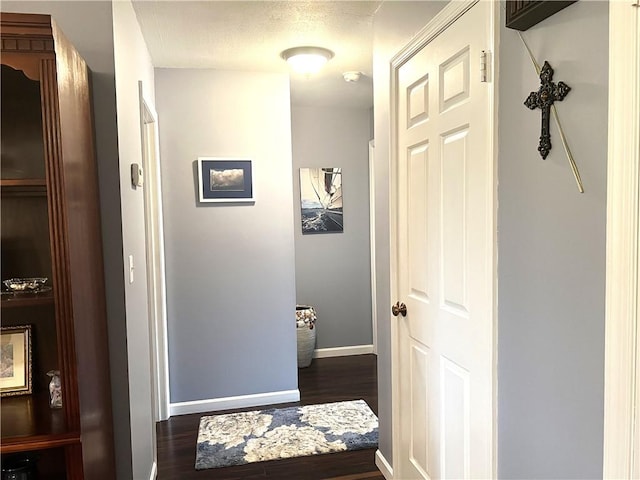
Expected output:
(326, 380)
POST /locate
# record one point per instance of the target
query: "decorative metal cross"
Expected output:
(548, 93)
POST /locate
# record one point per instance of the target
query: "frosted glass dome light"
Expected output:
(307, 60)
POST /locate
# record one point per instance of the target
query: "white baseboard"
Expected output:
(154, 471)
(227, 403)
(342, 351)
(383, 465)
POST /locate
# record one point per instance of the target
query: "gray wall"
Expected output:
(551, 254)
(133, 64)
(230, 269)
(333, 270)
(395, 23)
(88, 25)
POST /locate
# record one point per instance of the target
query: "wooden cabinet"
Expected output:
(51, 228)
(523, 14)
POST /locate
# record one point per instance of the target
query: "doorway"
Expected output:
(333, 266)
(156, 282)
(444, 244)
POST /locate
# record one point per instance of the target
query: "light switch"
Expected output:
(130, 268)
(137, 175)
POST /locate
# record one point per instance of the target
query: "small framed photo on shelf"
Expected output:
(15, 360)
(225, 180)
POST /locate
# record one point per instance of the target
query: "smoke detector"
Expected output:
(352, 76)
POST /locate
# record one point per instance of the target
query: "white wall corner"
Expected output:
(383, 465)
(227, 403)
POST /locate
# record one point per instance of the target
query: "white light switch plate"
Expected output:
(137, 175)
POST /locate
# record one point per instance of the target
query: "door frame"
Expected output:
(154, 247)
(622, 339)
(446, 17)
(372, 245)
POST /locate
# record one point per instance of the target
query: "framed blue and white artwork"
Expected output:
(225, 180)
(321, 200)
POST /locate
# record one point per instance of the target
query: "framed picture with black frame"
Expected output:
(227, 180)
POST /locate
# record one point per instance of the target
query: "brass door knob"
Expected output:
(399, 309)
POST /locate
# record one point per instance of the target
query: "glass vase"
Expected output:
(55, 389)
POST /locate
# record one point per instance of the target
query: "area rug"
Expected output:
(239, 438)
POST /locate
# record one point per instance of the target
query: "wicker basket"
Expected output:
(306, 332)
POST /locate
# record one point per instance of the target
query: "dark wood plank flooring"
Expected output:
(326, 380)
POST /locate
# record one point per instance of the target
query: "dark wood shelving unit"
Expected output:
(51, 228)
(523, 14)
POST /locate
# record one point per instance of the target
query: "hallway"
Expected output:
(326, 380)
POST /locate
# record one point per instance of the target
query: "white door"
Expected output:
(444, 250)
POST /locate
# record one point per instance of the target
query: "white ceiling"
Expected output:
(250, 35)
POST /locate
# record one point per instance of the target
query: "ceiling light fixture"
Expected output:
(307, 60)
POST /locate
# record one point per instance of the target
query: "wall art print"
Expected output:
(225, 180)
(321, 200)
(15, 360)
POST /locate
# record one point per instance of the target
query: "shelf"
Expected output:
(24, 187)
(23, 182)
(38, 442)
(12, 300)
(29, 424)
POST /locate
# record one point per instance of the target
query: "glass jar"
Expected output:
(55, 389)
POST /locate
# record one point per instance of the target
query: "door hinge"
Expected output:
(485, 65)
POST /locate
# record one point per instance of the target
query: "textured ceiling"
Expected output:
(250, 35)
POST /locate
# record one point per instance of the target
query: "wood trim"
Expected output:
(27, 45)
(622, 339)
(26, 25)
(59, 242)
(27, 64)
(73, 460)
(522, 15)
